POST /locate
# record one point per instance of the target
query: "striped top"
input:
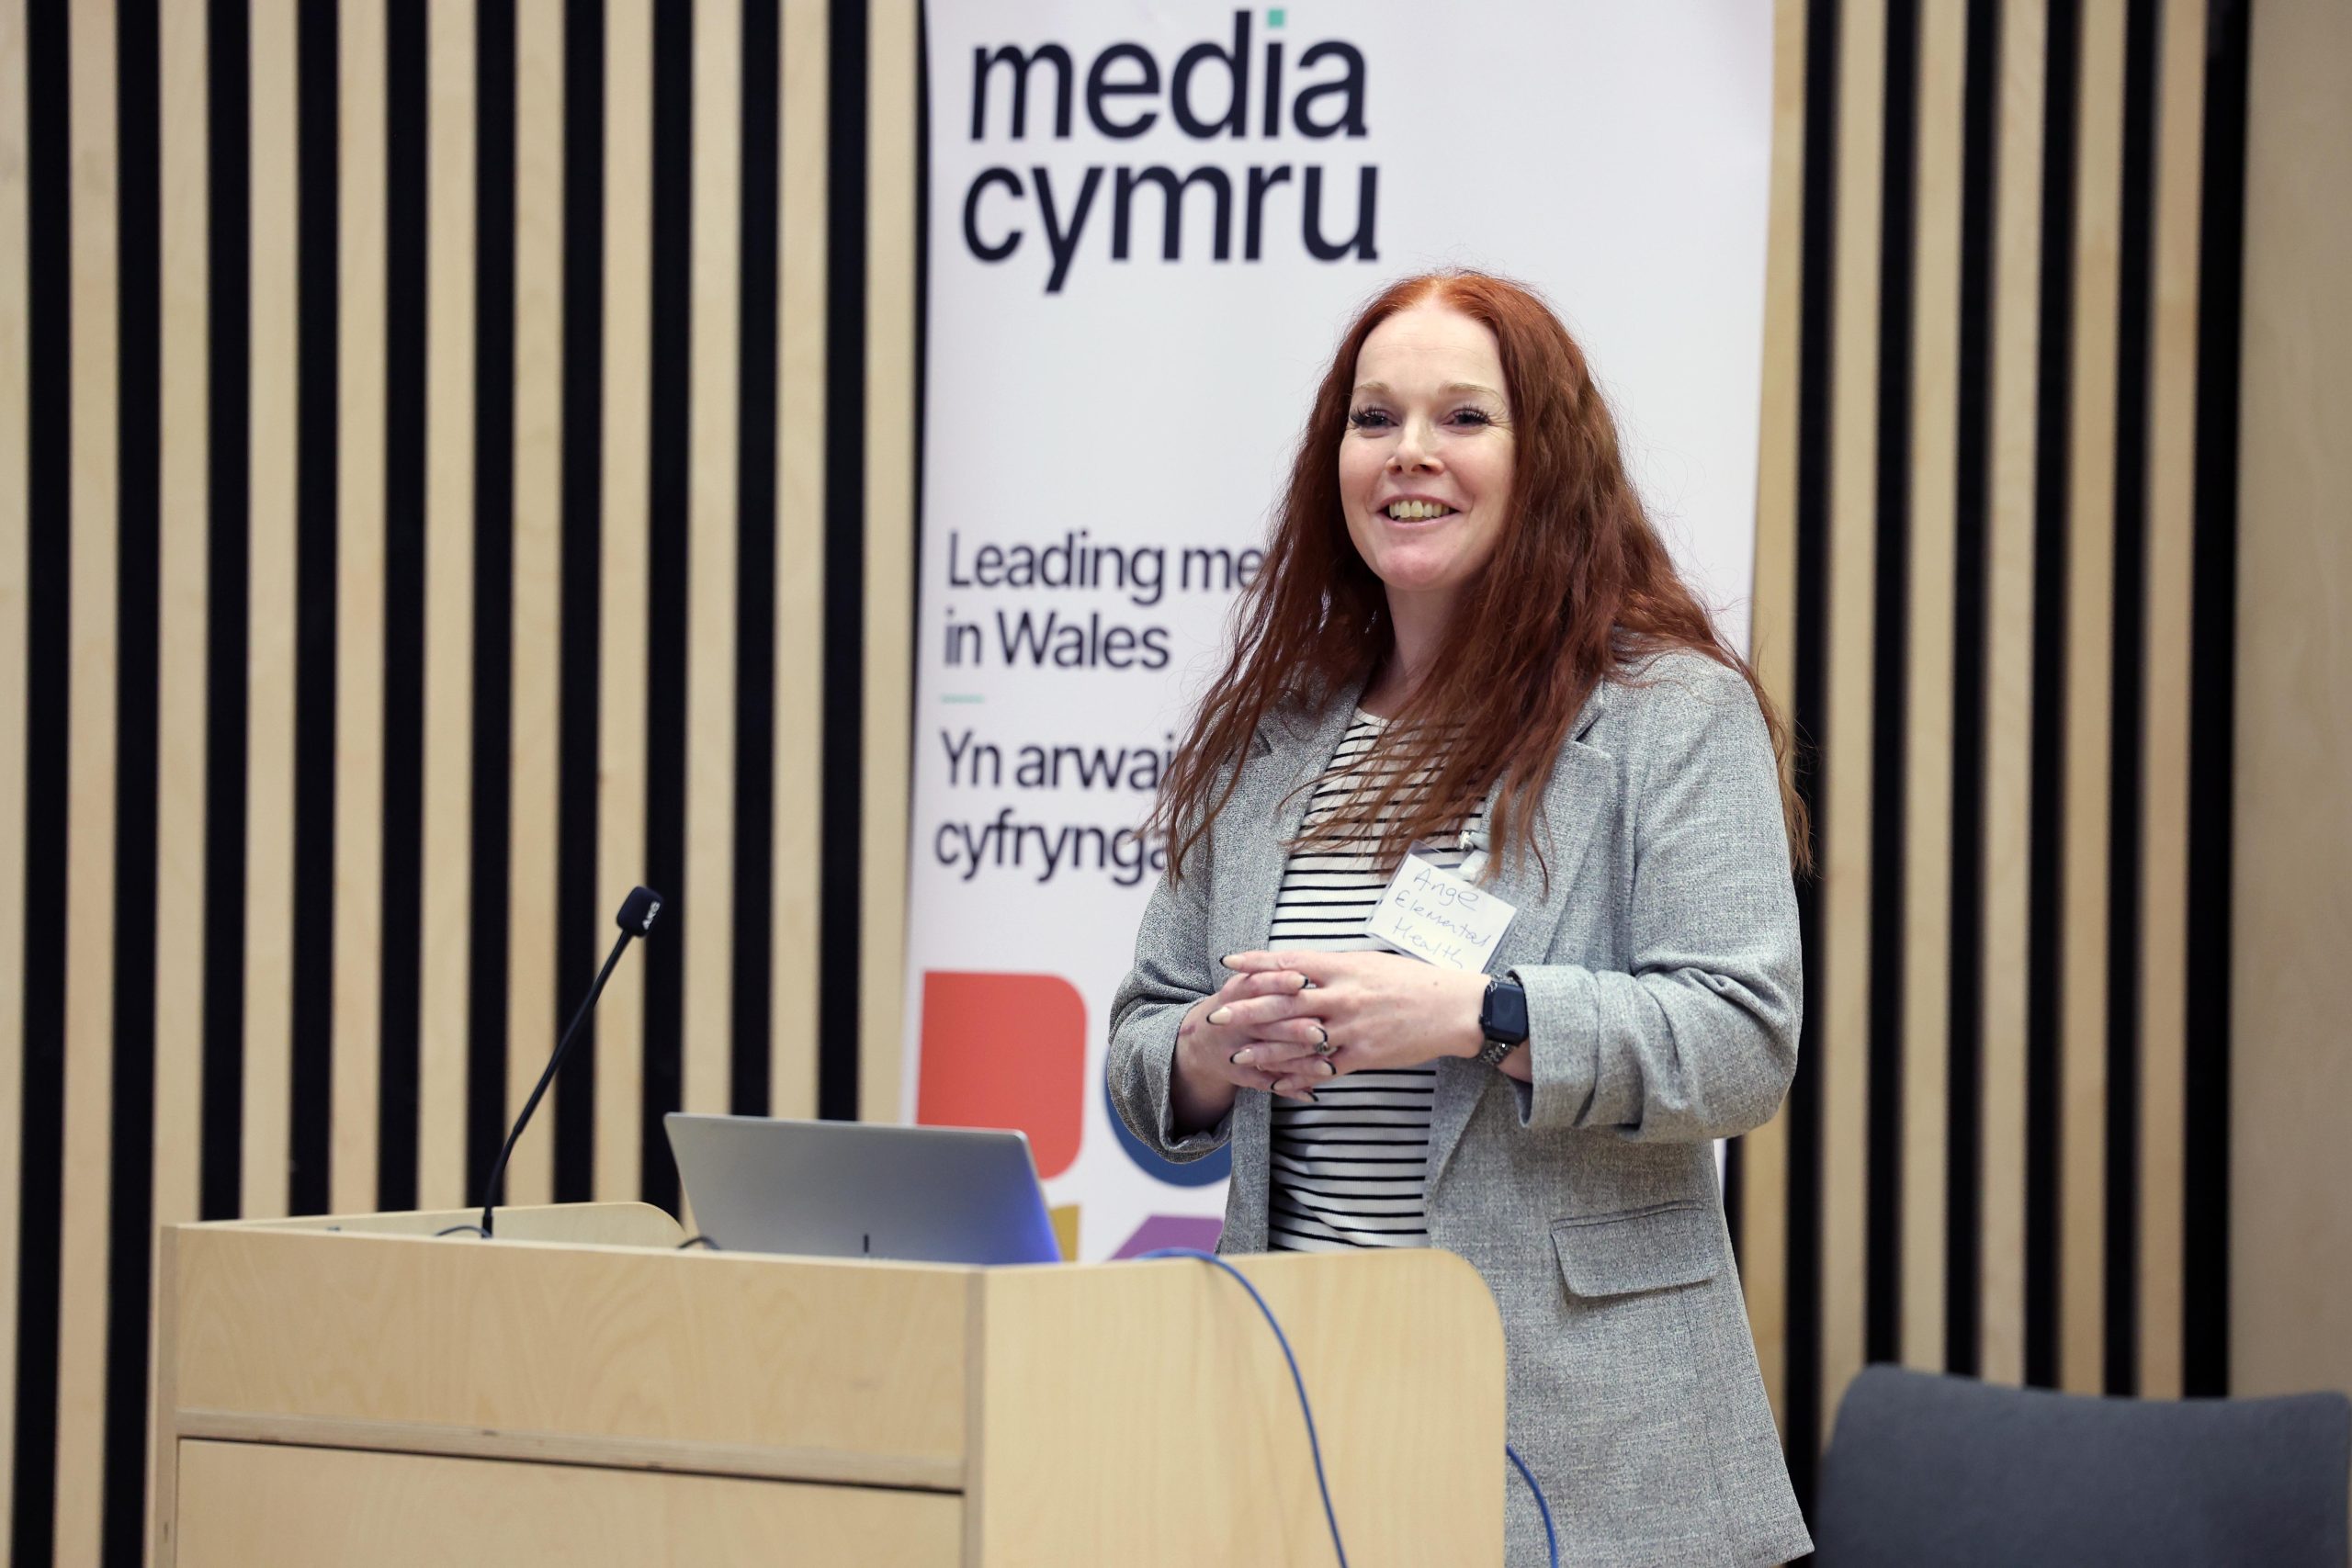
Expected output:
(1351, 1169)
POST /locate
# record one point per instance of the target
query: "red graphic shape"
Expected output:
(1005, 1051)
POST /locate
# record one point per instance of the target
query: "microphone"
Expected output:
(636, 918)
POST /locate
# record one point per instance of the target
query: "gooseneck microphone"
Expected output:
(636, 918)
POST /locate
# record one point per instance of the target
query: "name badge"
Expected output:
(1440, 916)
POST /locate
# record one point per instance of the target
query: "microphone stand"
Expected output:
(498, 1170)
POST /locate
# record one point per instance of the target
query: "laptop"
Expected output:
(859, 1189)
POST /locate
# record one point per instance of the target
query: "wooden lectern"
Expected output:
(578, 1392)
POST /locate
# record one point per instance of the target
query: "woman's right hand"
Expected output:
(1266, 1036)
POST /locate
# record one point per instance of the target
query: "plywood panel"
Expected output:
(248, 1505)
(1413, 1453)
(746, 1361)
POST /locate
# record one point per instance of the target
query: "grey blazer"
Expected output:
(1664, 990)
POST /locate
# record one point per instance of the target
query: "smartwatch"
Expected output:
(1502, 1018)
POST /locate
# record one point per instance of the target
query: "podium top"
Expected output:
(586, 1224)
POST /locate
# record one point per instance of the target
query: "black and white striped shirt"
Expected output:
(1351, 1169)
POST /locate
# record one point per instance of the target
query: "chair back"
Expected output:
(1927, 1471)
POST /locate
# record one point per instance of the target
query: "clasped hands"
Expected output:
(1289, 1021)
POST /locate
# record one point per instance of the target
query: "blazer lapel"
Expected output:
(1581, 795)
(1268, 808)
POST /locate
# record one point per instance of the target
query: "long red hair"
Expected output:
(1578, 587)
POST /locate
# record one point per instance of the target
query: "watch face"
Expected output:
(1504, 1016)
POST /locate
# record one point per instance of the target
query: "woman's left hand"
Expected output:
(1383, 1009)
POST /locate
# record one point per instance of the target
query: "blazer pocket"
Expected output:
(1640, 1249)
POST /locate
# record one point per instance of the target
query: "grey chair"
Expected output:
(1926, 1471)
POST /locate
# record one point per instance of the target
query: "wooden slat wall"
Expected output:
(379, 618)
(1980, 530)
(666, 636)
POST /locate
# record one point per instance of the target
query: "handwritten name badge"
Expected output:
(1440, 916)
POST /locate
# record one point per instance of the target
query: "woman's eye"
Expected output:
(1380, 419)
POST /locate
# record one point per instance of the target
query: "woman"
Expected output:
(1466, 637)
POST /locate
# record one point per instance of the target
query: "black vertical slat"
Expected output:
(1734, 1176)
(1890, 665)
(669, 516)
(317, 348)
(489, 889)
(405, 303)
(2126, 698)
(1816, 344)
(131, 1146)
(578, 928)
(46, 672)
(1964, 1080)
(840, 811)
(2046, 858)
(750, 986)
(228, 595)
(2205, 1274)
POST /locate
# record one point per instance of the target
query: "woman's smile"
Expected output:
(1417, 511)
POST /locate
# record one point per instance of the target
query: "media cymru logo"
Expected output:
(1213, 94)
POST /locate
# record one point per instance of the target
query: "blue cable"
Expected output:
(1551, 1541)
(1314, 1444)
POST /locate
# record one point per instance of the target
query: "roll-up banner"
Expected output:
(1149, 225)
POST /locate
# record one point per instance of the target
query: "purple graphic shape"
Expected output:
(1196, 1231)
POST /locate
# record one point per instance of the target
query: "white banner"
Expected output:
(1149, 225)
